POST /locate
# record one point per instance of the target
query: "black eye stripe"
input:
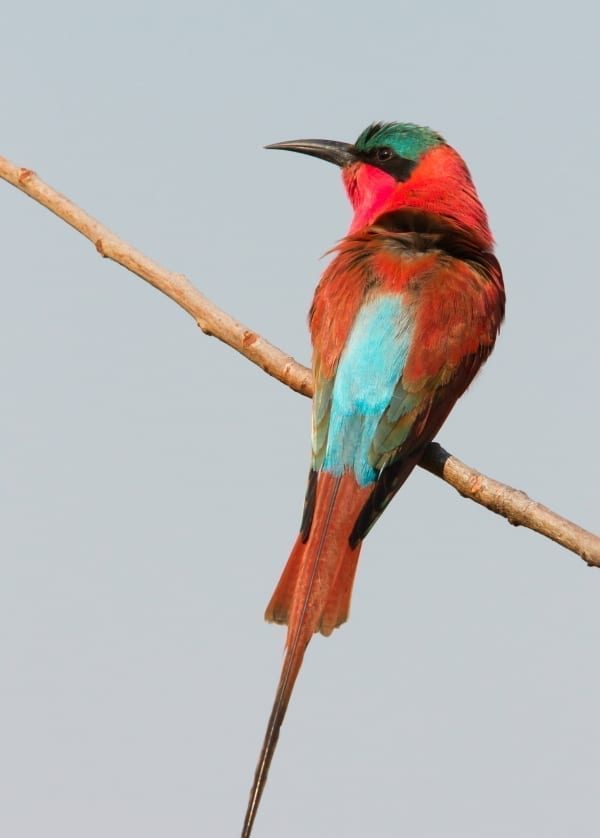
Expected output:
(386, 159)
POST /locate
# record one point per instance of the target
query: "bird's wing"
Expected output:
(409, 355)
(457, 318)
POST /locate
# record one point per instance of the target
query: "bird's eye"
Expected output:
(384, 153)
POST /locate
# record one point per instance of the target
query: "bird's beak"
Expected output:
(342, 154)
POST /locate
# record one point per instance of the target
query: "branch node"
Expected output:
(476, 484)
(249, 338)
(100, 247)
(25, 175)
(205, 329)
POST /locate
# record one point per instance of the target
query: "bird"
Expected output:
(401, 321)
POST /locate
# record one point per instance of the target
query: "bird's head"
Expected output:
(394, 165)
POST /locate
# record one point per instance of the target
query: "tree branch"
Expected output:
(512, 504)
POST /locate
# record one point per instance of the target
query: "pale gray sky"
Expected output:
(152, 480)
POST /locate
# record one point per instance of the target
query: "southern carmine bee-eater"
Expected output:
(401, 321)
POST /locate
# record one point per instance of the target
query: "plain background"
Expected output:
(152, 480)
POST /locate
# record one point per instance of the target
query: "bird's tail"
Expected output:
(312, 595)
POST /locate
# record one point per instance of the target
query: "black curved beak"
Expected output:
(342, 154)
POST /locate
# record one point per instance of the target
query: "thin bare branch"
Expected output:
(512, 504)
(211, 319)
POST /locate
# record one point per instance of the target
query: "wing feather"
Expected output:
(386, 381)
